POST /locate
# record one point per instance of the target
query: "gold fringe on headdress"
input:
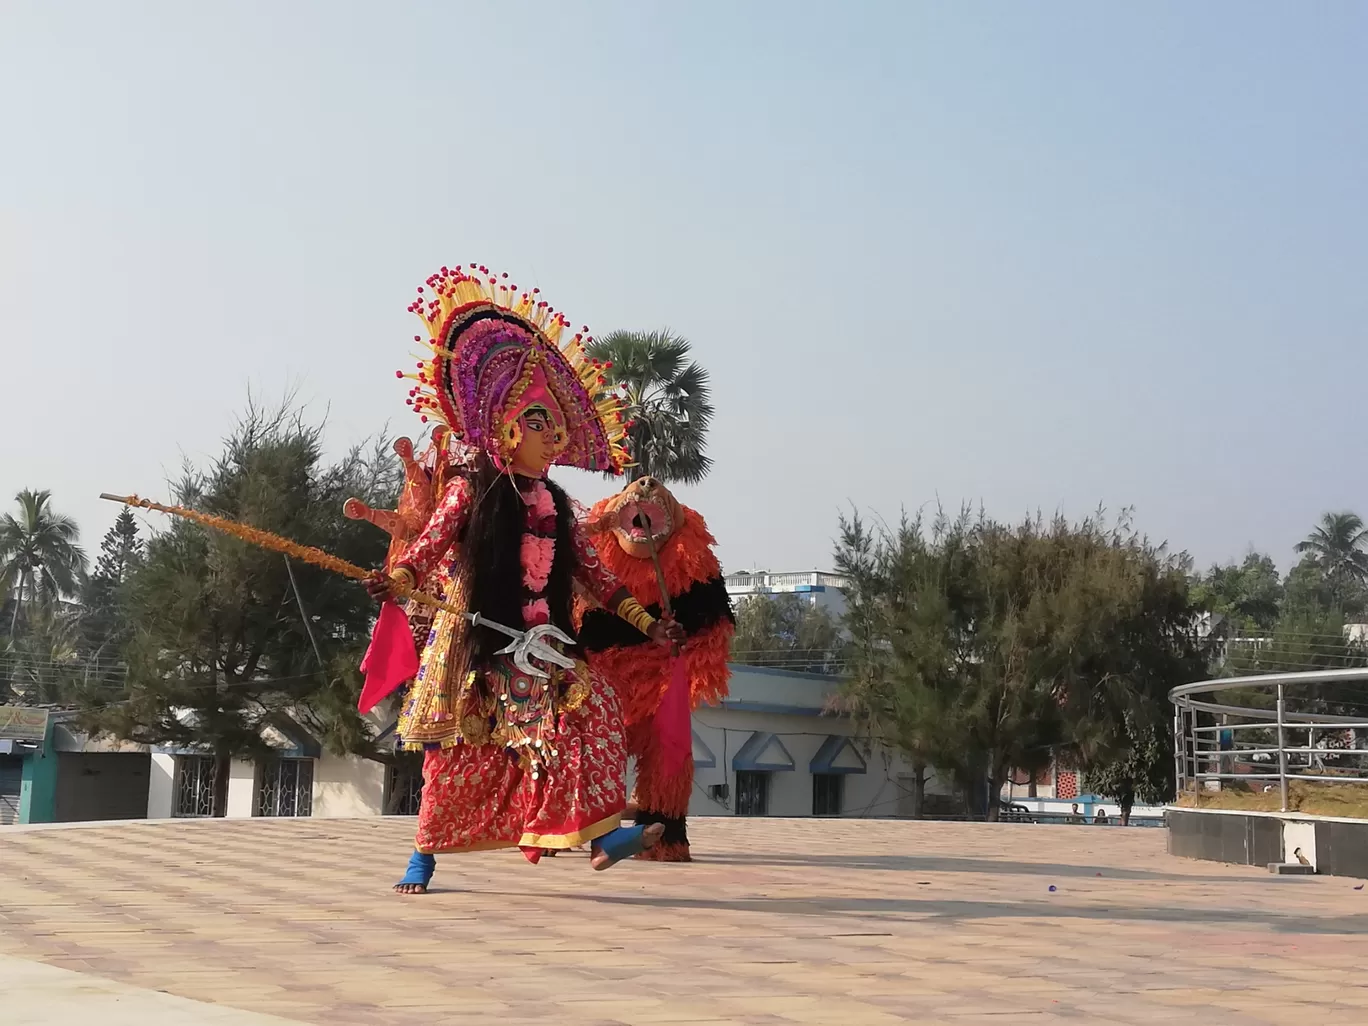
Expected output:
(456, 290)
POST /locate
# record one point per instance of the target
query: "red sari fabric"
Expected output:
(477, 797)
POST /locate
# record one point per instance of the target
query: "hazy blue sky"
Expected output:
(1037, 255)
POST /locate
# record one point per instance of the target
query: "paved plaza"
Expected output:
(249, 922)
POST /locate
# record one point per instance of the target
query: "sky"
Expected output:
(1032, 257)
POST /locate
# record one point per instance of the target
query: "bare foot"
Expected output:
(410, 888)
(649, 838)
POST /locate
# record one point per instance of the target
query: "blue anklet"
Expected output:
(420, 869)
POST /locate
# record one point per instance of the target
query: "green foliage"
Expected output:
(41, 560)
(1304, 638)
(1245, 597)
(220, 644)
(1141, 770)
(907, 657)
(1339, 547)
(668, 402)
(981, 647)
(42, 664)
(41, 563)
(105, 628)
(783, 631)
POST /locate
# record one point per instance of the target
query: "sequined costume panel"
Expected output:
(481, 796)
(438, 537)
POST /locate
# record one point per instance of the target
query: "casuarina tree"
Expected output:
(225, 637)
(104, 625)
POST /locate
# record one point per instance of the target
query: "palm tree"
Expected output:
(40, 559)
(1338, 546)
(44, 665)
(667, 402)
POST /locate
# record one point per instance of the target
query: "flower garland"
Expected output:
(538, 552)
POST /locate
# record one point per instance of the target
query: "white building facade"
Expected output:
(818, 588)
(768, 750)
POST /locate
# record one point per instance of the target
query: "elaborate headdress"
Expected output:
(497, 353)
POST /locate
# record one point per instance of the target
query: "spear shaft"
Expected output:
(276, 543)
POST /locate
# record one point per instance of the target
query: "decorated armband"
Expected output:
(404, 579)
(634, 613)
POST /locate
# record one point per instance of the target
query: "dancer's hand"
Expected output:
(667, 632)
(379, 587)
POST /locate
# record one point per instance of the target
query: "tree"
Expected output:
(104, 627)
(1306, 590)
(1247, 597)
(1141, 771)
(783, 631)
(43, 663)
(989, 647)
(906, 654)
(223, 643)
(1339, 546)
(1304, 638)
(41, 559)
(1107, 619)
(668, 403)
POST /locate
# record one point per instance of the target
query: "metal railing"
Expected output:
(1259, 735)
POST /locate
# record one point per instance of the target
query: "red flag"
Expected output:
(673, 731)
(391, 658)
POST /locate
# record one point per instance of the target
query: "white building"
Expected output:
(823, 590)
(299, 778)
(771, 749)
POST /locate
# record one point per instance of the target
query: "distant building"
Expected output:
(52, 773)
(772, 747)
(820, 589)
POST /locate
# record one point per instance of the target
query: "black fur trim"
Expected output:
(676, 829)
(704, 604)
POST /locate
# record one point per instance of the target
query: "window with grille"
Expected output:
(827, 791)
(196, 790)
(286, 788)
(752, 793)
(404, 788)
(11, 783)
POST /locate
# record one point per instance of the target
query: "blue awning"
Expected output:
(837, 755)
(703, 756)
(763, 753)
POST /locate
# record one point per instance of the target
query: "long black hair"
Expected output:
(491, 560)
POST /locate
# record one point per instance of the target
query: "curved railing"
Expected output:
(1272, 727)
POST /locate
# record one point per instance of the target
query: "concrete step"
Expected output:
(1291, 869)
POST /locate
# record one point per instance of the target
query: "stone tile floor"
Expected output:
(778, 922)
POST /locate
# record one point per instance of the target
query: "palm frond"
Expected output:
(668, 399)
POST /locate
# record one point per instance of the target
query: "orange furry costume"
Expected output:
(618, 528)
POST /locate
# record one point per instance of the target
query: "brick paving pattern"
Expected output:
(779, 922)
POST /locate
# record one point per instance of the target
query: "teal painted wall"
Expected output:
(38, 791)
